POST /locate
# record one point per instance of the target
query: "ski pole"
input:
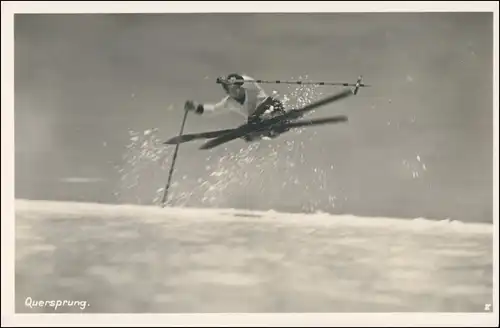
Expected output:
(225, 81)
(170, 173)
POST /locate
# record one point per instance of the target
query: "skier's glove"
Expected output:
(193, 106)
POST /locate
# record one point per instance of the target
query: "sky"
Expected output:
(418, 142)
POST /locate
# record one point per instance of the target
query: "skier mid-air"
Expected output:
(265, 116)
(246, 98)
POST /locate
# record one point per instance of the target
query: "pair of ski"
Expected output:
(281, 124)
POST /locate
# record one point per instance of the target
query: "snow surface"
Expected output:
(140, 259)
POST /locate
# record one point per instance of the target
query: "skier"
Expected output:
(246, 98)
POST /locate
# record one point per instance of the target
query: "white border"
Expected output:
(7, 119)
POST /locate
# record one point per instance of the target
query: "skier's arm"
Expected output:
(210, 108)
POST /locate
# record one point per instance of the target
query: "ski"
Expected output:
(279, 127)
(195, 136)
(278, 120)
(314, 122)
(232, 135)
(298, 113)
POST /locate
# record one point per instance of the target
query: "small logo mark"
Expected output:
(487, 307)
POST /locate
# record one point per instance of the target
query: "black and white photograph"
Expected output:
(216, 160)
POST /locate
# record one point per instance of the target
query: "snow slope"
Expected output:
(140, 259)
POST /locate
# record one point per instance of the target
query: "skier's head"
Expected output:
(233, 85)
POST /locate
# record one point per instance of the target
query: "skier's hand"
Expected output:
(193, 106)
(189, 105)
